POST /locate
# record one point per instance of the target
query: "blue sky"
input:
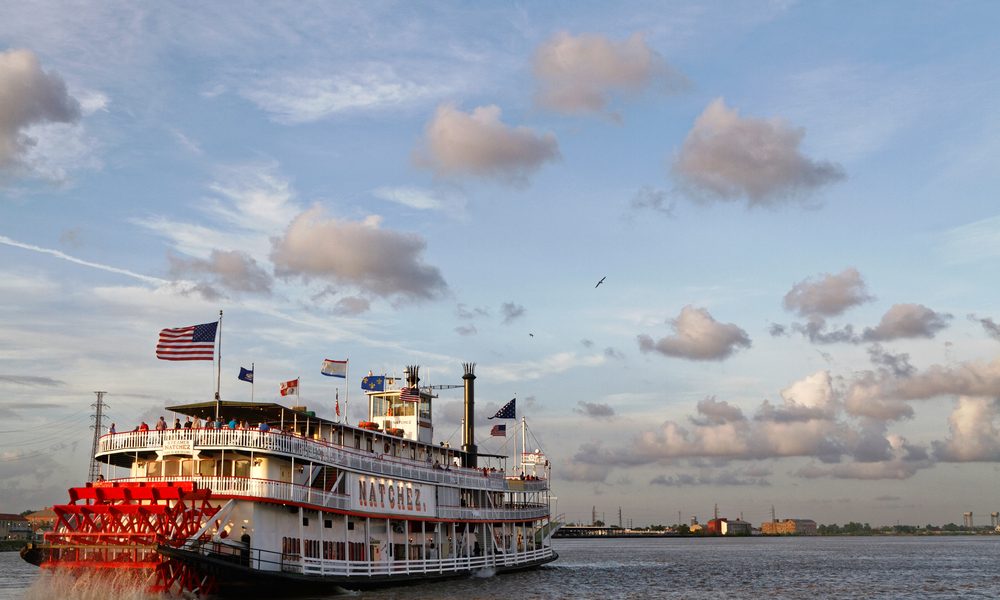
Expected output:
(794, 206)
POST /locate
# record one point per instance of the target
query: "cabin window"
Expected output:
(368, 441)
(357, 441)
(328, 524)
(305, 521)
(206, 468)
(171, 468)
(187, 468)
(413, 453)
(241, 468)
(154, 469)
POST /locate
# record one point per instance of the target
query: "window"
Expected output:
(171, 468)
(154, 469)
(327, 523)
(241, 468)
(305, 521)
(187, 468)
(206, 468)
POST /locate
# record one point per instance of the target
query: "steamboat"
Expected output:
(301, 503)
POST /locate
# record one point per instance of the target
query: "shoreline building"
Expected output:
(789, 527)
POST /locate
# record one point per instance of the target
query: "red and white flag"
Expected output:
(289, 387)
(409, 394)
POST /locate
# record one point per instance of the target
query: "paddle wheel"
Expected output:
(117, 526)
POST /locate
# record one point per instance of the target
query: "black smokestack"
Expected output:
(469, 430)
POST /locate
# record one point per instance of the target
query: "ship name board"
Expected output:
(178, 446)
(392, 496)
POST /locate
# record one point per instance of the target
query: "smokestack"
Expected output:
(412, 373)
(469, 429)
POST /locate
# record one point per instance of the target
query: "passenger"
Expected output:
(232, 423)
(264, 426)
(188, 424)
(210, 423)
(161, 425)
(220, 423)
(197, 423)
(177, 423)
(111, 429)
(437, 465)
(143, 426)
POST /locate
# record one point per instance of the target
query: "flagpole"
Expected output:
(253, 375)
(218, 375)
(347, 388)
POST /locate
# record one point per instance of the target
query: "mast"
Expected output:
(523, 437)
(218, 372)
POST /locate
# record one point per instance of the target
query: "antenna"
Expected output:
(97, 416)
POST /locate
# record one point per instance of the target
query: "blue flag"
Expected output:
(506, 411)
(373, 383)
(246, 375)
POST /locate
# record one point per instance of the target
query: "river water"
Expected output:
(805, 567)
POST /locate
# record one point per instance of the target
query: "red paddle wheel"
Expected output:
(118, 526)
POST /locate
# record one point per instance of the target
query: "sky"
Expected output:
(792, 207)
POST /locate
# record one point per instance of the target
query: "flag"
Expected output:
(409, 394)
(289, 387)
(500, 430)
(246, 375)
(334, 368)
(373, 383)
(336, 406)
(506, 412)
(196, 342)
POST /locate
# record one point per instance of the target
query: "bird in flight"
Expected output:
(531, 335)
(601, 281)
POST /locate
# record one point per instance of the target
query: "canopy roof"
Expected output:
(251, 412)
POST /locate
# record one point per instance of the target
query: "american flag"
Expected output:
(196, 342)
(409, 394)
(499, 430)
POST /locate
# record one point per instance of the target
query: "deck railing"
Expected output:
(187, 440)
(281, 491)
(295, 563)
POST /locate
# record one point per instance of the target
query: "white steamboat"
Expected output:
(305, 502)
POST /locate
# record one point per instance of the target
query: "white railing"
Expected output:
(324, 567)
(531, 511)
(265, 489)
(304, 448)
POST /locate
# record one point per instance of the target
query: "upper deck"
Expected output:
(121, 448)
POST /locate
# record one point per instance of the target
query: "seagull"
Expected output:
(601, 281)
(531, 335)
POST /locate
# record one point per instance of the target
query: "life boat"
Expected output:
(396, 431)
(369, 425)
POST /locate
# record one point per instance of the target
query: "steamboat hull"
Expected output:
(232, 577)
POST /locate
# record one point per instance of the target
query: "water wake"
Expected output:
(66, 584)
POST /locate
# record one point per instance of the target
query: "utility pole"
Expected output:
(97, 416)
(619, 517)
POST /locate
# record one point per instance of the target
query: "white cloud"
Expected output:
(302, 98)
(907, 321)
(29, 96)
(728, 157)
(233, 270)
(419, 198)
(974, 435)
(580, 74)
(361, 254)
(698, 336)
(828, 295)
(478, 144)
